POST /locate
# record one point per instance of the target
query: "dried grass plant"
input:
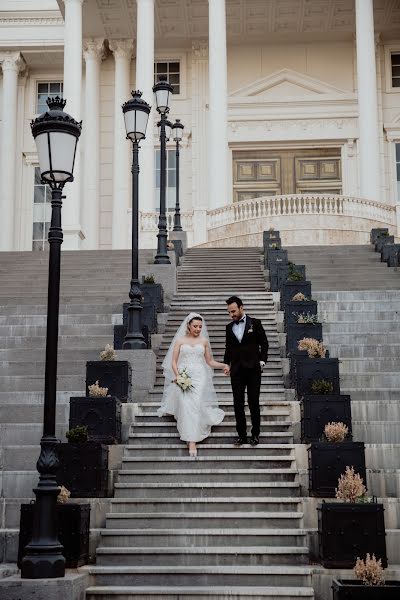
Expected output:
(336, 432)
(369, 571)
(350, 486)
(314, 348)
(108, 353)
(63, 495)
(95, 391)
(299, 297)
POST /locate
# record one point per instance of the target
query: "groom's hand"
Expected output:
(227, 370)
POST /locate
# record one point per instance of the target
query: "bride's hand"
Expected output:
(226, 369)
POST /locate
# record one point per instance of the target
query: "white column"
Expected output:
(144, 83)
(11, 63)
(73, 95)
(200, 188)
(90, 208)
(367, 101)
(218, 106)
(122, 50)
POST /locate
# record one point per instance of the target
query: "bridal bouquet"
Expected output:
(184, 380)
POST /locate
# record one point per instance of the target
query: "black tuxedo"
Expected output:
(244, 360)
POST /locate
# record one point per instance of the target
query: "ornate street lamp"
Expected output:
(162, 91)
(56, 135)
(136, 115)
(177, 132)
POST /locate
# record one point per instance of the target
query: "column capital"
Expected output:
(122, 49)
(94, 49)
(73, 1)
(12, 61)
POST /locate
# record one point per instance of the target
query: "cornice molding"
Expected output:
(23, 21)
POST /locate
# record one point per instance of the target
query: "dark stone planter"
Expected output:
(73, 532)
(318, 411)
(271, 235)
(297, 331)
(353, 589)
(153, 294)
(327, 461)
(375, 233)
(102, 417)
(283, 272)
(382, 241)
(305, 370)
(306, 306)
(83, 469)
(291, 288)
(389, 254)
(273, 257)
(347, 531)
(116, 375)
(271, 246)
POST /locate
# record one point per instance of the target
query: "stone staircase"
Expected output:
(228, 524)
(359, 302)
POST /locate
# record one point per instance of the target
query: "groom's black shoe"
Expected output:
(254, 440)
(240, 441)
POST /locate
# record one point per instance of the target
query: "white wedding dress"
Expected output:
(195, 410)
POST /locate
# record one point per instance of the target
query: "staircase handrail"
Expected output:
(300, 204)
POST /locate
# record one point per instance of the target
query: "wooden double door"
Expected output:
(275, 172)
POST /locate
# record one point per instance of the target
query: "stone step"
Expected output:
(31, 383)
(278, 414)
(64, 330)
(208, 462)
(228, 437)
(207, 489)
(380, 351)
(155, 450)
(223, 556)
(203, 575)
(65, 320)
(28, 310)
(360, 394)
(372, 294)
(359, 327)
(27, 434)
(226, 425)
(80, 342)
(203, 536)
(361, 339)
(367, 365)
(199, 505)
(196, 475)
(211, 520)
(371, 380)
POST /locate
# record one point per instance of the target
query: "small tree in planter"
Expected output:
(73, 529)
(83, 467)
(351, 528)
(115, 375)
(328, 459)
(369, 585)
(99, 412)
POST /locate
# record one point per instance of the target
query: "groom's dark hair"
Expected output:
(233, 299)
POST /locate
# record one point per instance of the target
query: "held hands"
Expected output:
(226, 370)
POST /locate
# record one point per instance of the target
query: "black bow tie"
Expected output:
(242, 320)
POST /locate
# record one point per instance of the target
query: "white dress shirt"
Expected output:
(238, 328)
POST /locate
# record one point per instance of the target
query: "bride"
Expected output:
(195, 408)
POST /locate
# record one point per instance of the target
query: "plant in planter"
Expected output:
(369, 585)
(376, 232)
(77, 435)
(115, 375)
(299, 298)
(311, 363)
(306, 325)
(327, 460)
(321, 387)
(321, 408)
(73, 529)
(153, 292)
(289, 289)
(382, 241)
(98, 413)
(350, 529)
(149, 279)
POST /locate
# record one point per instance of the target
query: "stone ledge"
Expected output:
(71, 587)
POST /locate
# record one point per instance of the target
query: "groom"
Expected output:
(246, 351)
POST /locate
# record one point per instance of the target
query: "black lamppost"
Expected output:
(136, 115)
(177, 132)
(56, 135)
(162, 91)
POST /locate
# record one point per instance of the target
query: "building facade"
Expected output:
(291, 112)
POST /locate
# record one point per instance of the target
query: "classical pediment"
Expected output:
(290, 85)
